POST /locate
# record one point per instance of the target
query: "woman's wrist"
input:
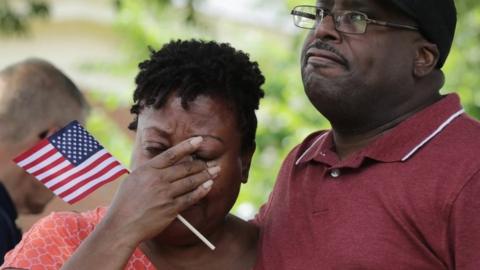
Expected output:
(118, 234)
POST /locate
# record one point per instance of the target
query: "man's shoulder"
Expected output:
(463, 134)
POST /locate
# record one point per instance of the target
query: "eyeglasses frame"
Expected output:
(327, 12)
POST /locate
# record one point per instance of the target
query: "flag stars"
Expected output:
(75, 143)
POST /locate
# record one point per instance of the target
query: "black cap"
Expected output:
(437, 20)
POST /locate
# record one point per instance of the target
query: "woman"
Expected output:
(195, 128)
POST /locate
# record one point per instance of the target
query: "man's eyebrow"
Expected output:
(210, 136)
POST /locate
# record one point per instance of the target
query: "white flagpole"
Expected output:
(196, 232)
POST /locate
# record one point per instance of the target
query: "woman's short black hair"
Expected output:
(194, 67)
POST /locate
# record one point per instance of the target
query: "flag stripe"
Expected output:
(23, 159)
(81, 182)
(40, 159)
(85, 176)
(44, 163)
(48, 166)
(92, 189)
(77, 169)
(93, 185)
(55, 171)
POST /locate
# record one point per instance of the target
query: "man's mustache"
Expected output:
(320, 45)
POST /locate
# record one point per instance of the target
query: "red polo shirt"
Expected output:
(409, 200)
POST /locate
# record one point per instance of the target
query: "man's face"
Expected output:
(31, 196)
(351, 77)
(212, 119)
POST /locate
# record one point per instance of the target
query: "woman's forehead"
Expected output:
(201, 115)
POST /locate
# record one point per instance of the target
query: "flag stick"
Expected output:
(197, 233)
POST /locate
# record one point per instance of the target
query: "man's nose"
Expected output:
(325, 29)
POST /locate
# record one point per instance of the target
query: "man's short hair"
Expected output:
(34, 94)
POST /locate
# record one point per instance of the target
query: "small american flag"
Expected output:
(71, 163)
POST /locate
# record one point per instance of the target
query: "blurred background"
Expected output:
(99, 43)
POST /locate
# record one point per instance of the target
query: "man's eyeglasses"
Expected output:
(346, 21)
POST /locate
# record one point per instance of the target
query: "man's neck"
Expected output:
(347, 143)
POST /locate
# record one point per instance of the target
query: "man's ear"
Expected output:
(246, 162)
(47, 132)
(426, 58)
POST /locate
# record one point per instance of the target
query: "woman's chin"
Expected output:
(177, 234)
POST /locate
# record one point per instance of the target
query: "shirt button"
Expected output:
(335, 173)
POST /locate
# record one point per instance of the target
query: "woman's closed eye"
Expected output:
(152, 151)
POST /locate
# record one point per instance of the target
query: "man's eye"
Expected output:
(355, 17)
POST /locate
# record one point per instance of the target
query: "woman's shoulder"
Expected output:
(53, 239)
(70, 221)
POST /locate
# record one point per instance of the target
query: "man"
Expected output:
(36, 99)
(395, 183)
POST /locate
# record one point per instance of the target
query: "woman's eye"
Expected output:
(202, 157)
(198, 157)
(153, 151)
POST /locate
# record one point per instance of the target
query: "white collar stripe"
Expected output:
(311, 146)
(436, 132)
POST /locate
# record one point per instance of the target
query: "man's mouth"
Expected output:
(321, 57)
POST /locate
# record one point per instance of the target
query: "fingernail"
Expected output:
(196, 141)
(214, 170)
(211, 163)
(207, 184)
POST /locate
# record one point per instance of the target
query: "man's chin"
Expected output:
(36, 209)
(327, 70)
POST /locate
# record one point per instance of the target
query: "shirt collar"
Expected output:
(398, 144)
(6, 203)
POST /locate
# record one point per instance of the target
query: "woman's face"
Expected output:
(212, 119)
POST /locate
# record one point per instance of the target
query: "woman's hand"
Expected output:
(146, 202)
(150, 198)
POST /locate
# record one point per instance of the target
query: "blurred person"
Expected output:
(36, 99)
(395, 182)
(195, 125)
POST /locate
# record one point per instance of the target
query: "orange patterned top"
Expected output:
(52, 240)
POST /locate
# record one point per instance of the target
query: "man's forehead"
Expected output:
(346, 3)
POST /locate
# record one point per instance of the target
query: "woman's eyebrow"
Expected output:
(156, 131)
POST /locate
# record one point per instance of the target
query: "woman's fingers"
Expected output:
(176, 153)
(193, 181)
(186, 200)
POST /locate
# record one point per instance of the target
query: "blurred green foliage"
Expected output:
(15, 15)
(285, 116)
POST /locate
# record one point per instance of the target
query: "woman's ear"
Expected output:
(246, 161)
(426, 58)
